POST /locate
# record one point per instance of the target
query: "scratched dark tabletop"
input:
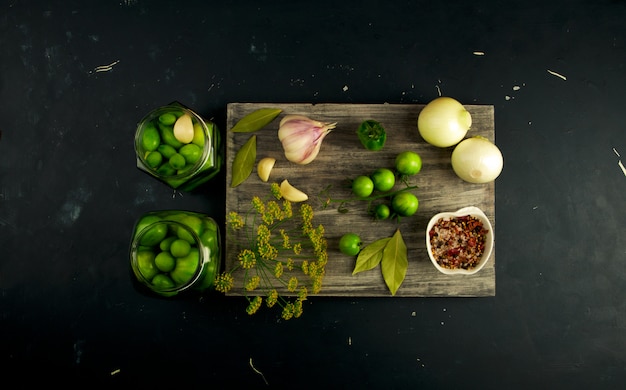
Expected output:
(76, 76)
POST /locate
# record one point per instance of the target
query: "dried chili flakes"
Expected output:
(458, 242)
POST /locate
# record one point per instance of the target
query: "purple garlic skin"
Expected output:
(302, 137)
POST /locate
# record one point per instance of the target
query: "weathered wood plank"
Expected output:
(342, 157)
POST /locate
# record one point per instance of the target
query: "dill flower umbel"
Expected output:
(281, 255)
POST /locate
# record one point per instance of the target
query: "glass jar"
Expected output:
(174, 251)
(183, 159)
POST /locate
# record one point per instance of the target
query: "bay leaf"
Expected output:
(370, 256)
(256, 120)
(394, 262)
(244, 162)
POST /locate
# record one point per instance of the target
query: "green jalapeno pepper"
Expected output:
(372, 135)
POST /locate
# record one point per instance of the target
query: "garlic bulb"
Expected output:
(302, 137)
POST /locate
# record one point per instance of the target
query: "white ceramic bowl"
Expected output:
(475, 212)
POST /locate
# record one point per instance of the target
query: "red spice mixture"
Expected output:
(458, 242)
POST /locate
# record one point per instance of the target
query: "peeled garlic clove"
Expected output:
(264, 167)
(291, 193)
(183, 129)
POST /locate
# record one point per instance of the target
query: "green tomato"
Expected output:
(382, 211)
(404, 204)
(350, 244)
(384, 179)
(362, 186)
(408, 163)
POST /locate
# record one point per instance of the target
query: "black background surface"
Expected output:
(70, 192)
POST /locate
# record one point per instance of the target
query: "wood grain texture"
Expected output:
(342, 157)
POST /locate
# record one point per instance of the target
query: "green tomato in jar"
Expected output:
(146, 264)
(209, 239)
(163, 282)
(191, 153)
(198, 135)
(154, 235)
(186, 267)
(154, 159)
(209, 273)
(164, 261)
(150, 137)
(180, 248)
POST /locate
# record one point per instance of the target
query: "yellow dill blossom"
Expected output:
(313, 269)
(305, 267)
(235, 220)
(274, 209)
(297, 308)
(321, 270)
(254, 305)
(268, 251)
(275, 190)
(287, 311)
(253, 283)
(263, 235)
(247, 258)
(306, 211)
(278, 270)
(316, 236)
(303, 293)
(274, 238)
(322, 258)
(224, 282)
(272, 298)
(292, 285)
(287, 211)
(285, 237)
(317, 285)
(258, 205)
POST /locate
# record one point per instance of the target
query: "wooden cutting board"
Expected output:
(342, 157)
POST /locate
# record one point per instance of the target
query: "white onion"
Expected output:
(477, 160)
(443, 122)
